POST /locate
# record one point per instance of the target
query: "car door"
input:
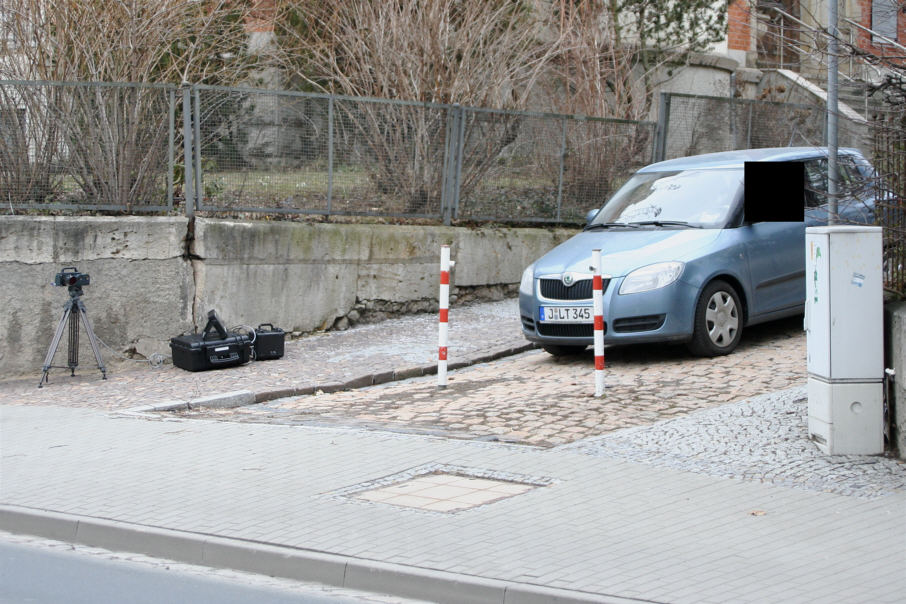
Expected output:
(776, 254)
(777, 250)
(776, 260)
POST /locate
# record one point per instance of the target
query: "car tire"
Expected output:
(717, 326)
(562, 351)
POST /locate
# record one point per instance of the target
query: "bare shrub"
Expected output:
(485, 54)
(109, 141)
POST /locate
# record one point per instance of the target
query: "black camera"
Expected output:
(70, 277)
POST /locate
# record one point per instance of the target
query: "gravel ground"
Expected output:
(761, 439)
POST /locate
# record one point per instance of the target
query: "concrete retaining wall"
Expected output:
(151, 280)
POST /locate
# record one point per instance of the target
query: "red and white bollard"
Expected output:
(597, 288)
(443, 325)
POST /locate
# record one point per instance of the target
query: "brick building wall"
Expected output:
(739, 26)
(864, 39)
(262, 16)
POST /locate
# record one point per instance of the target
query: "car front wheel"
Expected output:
(718, 321)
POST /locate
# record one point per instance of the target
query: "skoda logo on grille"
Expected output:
(568, 279)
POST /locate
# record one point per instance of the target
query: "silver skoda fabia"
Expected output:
(680, 261)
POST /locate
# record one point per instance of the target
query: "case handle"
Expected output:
(221, 360)
(214, 325)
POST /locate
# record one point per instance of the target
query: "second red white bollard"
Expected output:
(597, 288)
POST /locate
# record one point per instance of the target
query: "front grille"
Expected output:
(643, 323)
(567, 330)
(553, 289)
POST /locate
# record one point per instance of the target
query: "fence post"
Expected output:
(445, 182)
(449, 196)
(562, 162)
(460, 153)
(734, 130)
(171, 146)
(749, 127)
(329, 153)
(199, 183)
(188, 155)
(663, 122)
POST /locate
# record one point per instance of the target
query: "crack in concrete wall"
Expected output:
(153, 278)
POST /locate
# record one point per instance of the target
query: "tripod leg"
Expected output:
(73, 344)
(92, 339)
(67, 310)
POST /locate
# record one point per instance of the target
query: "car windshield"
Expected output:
(696, 198)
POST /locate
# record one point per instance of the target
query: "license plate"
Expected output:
(566, 314)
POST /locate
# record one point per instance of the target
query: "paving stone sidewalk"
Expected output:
(294, 501)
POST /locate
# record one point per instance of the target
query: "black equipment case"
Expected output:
(269, 342)
(212, 349)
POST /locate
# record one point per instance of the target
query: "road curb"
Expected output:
(241, 398)
(286, 562)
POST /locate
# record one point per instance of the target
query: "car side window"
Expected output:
(859, 178)
(815, 183)
(851, 179)
(849, 174)
(865, 168)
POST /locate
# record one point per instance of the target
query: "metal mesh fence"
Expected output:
(282, 152)
(120, 147)
(391, 157)
(509, 166)
(889, 137)
(543, 167)
(703, 124)
(290, 152)
(87, 146)
(261, 150)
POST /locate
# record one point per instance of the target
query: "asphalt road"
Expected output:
(44, 572)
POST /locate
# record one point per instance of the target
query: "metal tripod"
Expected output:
(74, 304)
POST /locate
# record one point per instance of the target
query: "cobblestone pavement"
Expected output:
(534, 398)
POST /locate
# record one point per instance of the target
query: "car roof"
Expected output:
(736, 159)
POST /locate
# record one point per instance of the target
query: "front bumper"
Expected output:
(661, 315)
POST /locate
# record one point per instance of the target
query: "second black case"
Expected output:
(269, 342)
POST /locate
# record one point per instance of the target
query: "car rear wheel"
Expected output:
(718, 321)
(561, 351)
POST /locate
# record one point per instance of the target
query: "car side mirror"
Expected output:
(591, 215)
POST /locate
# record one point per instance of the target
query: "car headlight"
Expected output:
(653, 276)
(528, 278)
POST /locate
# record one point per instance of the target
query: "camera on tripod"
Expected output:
(73, 313)
(70, 277)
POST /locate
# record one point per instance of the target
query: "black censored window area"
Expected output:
(775, 191)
